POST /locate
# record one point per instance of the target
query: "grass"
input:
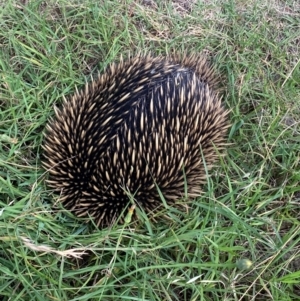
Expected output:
(249, 210)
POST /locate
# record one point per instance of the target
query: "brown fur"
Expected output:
(144, 121)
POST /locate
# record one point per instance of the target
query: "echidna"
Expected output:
(146, 122)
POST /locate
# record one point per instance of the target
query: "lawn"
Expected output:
(240, 240)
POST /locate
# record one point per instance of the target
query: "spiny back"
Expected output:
(144, 121)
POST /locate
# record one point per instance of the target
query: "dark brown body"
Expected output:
(143, 122)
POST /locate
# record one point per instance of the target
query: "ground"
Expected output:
(240, 240)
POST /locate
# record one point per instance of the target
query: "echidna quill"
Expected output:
(144, 122)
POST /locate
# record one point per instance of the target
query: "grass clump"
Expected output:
(240, 240)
